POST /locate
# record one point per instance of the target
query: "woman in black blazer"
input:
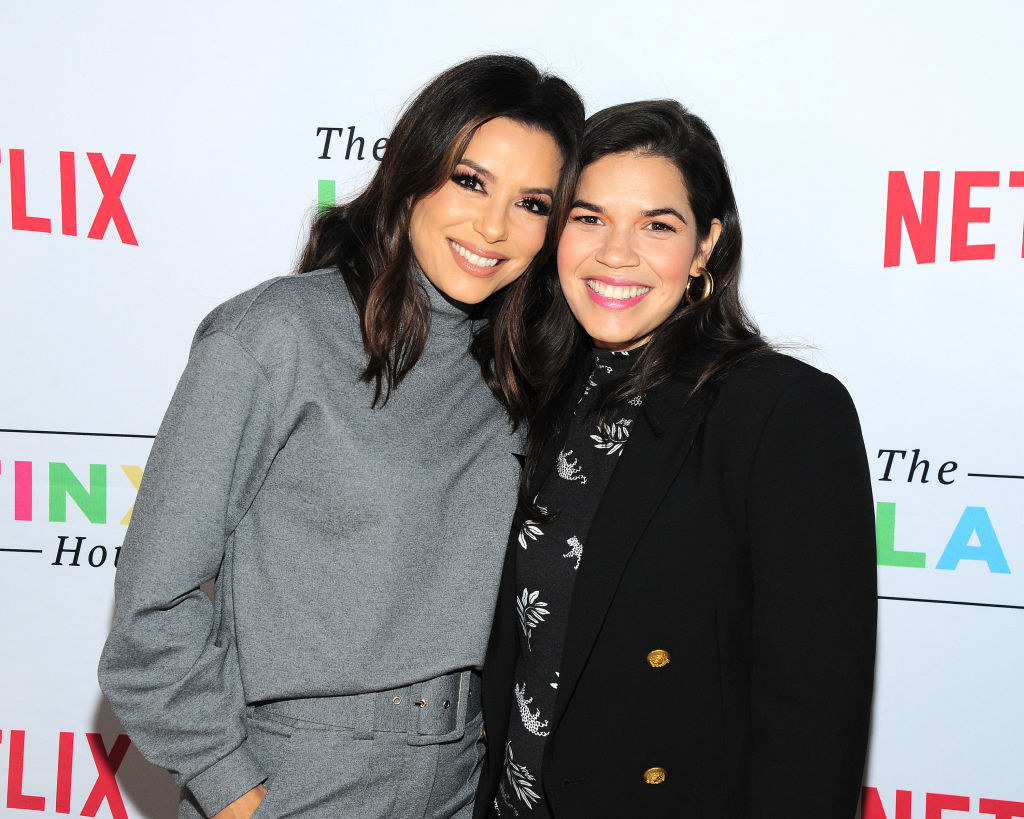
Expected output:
(686, 625)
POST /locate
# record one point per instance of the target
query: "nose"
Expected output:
(492, 221)
(617, 250)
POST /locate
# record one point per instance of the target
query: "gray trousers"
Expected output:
(398, 754)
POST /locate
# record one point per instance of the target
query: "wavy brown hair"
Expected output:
(367, 238)
(717, 329)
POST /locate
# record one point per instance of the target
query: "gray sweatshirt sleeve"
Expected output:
(170, 672)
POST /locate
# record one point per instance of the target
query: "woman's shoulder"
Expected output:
(761, 382)
(775, 397)
(770, 369)
(284, 308)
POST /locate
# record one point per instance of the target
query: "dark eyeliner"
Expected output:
(460, 178)
(541, 208)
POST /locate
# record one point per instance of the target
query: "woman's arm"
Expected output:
(811, 535)
(170, 672)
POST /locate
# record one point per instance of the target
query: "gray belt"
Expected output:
(430, 712)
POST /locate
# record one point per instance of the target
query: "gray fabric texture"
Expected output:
(354, 549)
(379, 778)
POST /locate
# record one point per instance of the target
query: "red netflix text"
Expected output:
(104, 789)
(922, 223)
(111, 185)
(936, 805)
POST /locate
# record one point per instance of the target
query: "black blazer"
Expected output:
(736, 537)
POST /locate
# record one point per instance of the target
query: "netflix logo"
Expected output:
(900, 805)
(111, 184)
(101, 774)
(921, 222)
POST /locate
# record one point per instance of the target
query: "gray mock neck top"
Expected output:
(355, 549)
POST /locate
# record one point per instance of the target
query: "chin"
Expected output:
(611, 342)
(605, 336)
(462, 288)
(468, 294)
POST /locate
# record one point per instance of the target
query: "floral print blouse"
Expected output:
(548, 556)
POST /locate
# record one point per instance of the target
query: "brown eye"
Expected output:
(659, 227)
(470, 181)
(538, 206)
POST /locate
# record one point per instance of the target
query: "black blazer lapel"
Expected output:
(657, 448)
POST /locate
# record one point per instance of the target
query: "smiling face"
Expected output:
(629, 248)
(481, 229)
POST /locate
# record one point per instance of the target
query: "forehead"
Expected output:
(635, 180)
(504, 145)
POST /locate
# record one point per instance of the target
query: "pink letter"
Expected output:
(871, 804)
(936, 803)
(20, 220)
(106, 768)
(1017, 181)
(1002, 809)
(65, 758)
(900, 210)
(111, 209)
(964, 215)
(16, 797)
(68, 203)
(23, 490)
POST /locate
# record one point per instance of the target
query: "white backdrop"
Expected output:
(201, 121)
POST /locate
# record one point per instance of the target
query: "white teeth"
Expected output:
(472, 258)
(619, 293)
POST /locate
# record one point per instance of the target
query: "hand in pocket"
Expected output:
(244, 806)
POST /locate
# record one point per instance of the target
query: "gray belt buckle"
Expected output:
(433, 721)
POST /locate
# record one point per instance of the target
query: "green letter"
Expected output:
(885, 541)
(325, 196)
(92, 501)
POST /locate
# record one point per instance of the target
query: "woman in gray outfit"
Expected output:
(339, 455)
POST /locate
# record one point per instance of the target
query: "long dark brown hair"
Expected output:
(717, 328)
(367, 239)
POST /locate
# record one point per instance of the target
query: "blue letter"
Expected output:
(974, 519)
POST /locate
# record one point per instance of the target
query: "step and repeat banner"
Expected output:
(155, 161)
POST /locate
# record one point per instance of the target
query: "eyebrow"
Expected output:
(663, 212)
(580, 203)
(486, 174)
(480, 169)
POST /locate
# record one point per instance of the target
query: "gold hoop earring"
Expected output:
(708, 289)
